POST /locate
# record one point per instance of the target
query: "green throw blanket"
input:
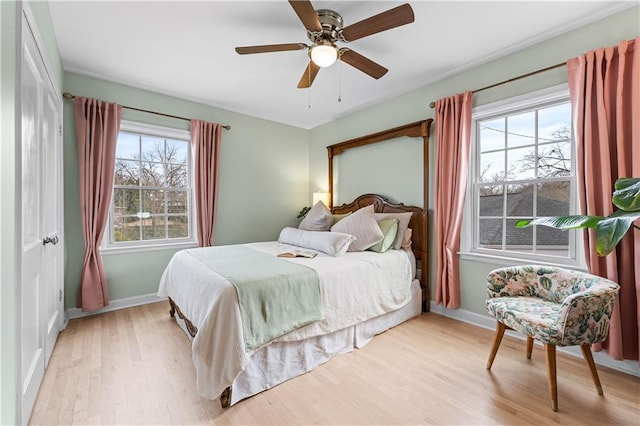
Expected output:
(276, 296)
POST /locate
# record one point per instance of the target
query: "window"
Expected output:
(152, 199)
(522, 166)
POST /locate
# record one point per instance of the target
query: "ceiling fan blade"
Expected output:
(270, 48)
(306, 13)
(362, 63)
(308, 76)
(392, 18)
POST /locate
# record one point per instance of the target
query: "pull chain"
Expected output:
(339, 80)
(309, 85)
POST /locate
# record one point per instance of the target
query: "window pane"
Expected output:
(521, 129)
(554, 123)
(152, 148)
(153, 228)
(491, 134)
(520, 202)
(490, 231)
(152, 174)
(152, 201)
(126, 201)
(176, 175)
(521, 163)
(554, 160)
(178, 227)
(519, 239)
(126, 229)
(491, 167)
(177, 151)
(491, 200)
(128, 146)
(177, 201)
(127, 173)
(551, 237)
(553, 199)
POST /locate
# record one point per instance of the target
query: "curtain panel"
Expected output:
(453, 135)
(604, 86)
(205, 143)
(97, 125)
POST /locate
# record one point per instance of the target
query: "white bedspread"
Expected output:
(355, 287)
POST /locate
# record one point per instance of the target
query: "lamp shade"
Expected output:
(324, 55)
(321, 196)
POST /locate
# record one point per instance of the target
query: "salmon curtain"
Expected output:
(97, 127)
(205, 143)
(604, 86)
(453, 135)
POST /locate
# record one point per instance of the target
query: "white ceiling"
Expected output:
(186, 49)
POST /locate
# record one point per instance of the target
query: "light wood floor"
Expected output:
(134, 366)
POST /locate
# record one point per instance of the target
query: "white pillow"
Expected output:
(363, 225)
(319, 218)
(331, 243)
(403, 224)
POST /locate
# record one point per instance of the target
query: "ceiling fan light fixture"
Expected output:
(324, 55)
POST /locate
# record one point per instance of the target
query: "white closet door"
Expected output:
(41, 205)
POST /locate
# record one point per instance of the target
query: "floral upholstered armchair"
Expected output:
(556, 306)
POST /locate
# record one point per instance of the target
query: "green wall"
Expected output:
(401, 185)
(8, 272)
(264, 181)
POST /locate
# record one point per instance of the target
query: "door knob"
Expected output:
(47, 240)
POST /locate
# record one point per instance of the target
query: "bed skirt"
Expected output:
(281, 361)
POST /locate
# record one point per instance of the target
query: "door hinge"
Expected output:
(59, 295)
(60, 129)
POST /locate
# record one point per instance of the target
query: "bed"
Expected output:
(362, 294)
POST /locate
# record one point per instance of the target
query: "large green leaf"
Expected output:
(627, 194)
(562, 222)
(612, 229)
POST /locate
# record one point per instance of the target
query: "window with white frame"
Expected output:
(152, 198)
(522, 166)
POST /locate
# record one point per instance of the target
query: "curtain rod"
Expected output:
(433, 104)
(69, 96)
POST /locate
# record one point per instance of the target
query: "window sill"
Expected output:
(143, 248)
(511, 260)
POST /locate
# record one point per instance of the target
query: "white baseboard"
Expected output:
(114, 305)
(485, 321)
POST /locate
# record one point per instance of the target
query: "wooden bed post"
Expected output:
(412, 130)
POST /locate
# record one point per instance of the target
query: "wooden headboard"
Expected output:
(418, 222)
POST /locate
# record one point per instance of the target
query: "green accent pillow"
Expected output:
(389, 228)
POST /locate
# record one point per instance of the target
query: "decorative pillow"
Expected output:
(339, 217)
(362, 225)
(403, 224)
(319, 218)
(406, 241)
(331, 243)
(389, 228)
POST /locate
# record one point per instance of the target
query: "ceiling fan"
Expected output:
(325, 29)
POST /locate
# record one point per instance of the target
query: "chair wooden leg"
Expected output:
(586, 353)
(497, 338)
(550, 351)
(529, 346)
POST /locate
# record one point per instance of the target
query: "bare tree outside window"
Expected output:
(151, 188)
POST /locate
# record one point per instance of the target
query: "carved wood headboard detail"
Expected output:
(419, 220)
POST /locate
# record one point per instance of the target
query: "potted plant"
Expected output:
(610, 229)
